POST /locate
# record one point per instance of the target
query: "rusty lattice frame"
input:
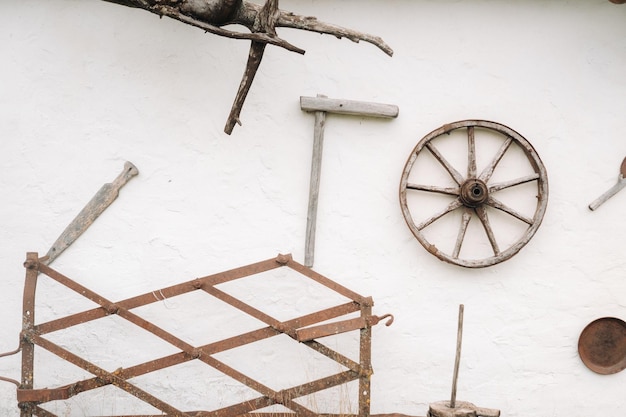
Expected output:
(304, 329)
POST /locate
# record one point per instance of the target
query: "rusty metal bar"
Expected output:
(167, 292)
(73, 285)
(365, 360)
(240, 305)
(308, 272)
(156, 330)
(329, 329)
(264, 414)
(311, 387)
(321, 384)
(108, 377)
(112, 308)
(71, 390)
(336, 356)
(242, 408)
(28, 322)
(40, 412)
(338, 327)
(276, 397)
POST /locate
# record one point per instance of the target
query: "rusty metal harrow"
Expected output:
(304, 329)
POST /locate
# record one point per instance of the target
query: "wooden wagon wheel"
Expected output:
(478, 193)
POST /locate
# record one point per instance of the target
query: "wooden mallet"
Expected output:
(322, 105)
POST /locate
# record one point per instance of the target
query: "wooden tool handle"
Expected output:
(621, 183)
(351, 107)
(98, 203)
(487, 412)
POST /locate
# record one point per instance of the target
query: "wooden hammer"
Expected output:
(322, 105)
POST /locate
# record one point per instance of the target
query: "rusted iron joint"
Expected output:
(284, 329)
(73, 390)
(31, 264)
(291, 333)
(283, 259)
(28, 407)
(105, 379)
(281, 397)
(366, 372)
(367, 302)
(196, 353)
(27, 335)
(197, 284)
(112, 308)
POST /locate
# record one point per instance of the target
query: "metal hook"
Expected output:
(2, 355)
(376, 319)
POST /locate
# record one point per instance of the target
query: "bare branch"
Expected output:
(290, 20)
(211, 15)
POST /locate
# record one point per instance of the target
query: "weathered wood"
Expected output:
(211, 15)
(474, 194)
(254, 61)
(314, 187)
(463, 409)
(350, 107)
(621, 183)
(457, 358)
(322, 105)
(28, 322)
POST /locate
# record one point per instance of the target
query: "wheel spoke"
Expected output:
(451, 207)
(434, 189)
(481, 212)
(498, 205)
(456, 175)
(506, 184)
(467, 216)
(488, 171)
(471, 153)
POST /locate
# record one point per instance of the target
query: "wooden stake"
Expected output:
(314, 186)
(457, 360)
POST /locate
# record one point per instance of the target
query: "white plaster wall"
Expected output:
(87, 85)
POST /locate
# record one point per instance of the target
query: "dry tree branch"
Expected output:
(210, 15)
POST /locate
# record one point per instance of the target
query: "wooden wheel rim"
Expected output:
(465, 203)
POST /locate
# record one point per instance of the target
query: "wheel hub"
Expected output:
(474, 192)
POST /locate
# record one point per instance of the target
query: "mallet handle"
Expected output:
(621, 183)
(457, 359)
(355, 108)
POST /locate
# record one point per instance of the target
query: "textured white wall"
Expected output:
(87, 85)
